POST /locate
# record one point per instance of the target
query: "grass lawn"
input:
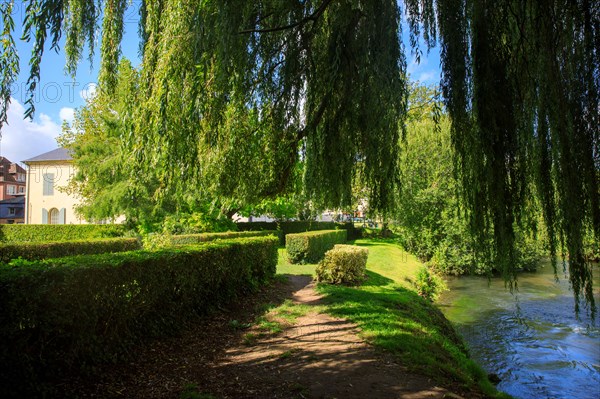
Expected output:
(395, 319)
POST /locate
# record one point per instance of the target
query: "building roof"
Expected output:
(9, 166)
(59, 154)
(17, 200)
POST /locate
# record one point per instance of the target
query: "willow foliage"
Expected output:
(234, 93)
(521, 83)
(238, 92)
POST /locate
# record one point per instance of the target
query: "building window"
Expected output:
(48, 184)
(12, 211)
(11, 190)
(20, 176)
(54, 216)
(21, 190)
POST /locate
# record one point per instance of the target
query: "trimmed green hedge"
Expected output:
(59, 249)
(310, 247)
(344, 264)
(71, 313)
(257, 226)
(300, 227)
(186, 239)
(10, 233)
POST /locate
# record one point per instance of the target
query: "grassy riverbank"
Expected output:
(394, 319)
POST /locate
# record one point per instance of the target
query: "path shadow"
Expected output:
(376, 280)
(298, 281)
(162, 367)
(320, 357)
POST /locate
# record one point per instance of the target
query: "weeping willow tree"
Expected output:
(235, 93)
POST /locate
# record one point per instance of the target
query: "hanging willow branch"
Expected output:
(521, 83)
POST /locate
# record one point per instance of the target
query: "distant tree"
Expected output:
(430, 218)
(111, 181)
(108, 179)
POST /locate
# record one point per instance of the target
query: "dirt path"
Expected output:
(323, 357)
(319, 357)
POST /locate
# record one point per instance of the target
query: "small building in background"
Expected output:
(46, 202)
(12, 179)
(12, 210)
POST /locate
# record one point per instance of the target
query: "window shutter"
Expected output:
(44, 216)
(62, 216)
(48, 184)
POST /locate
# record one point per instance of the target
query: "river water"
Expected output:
(532, 340)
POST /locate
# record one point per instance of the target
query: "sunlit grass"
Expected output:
(396, 320)
(285, 267)
(389, 260)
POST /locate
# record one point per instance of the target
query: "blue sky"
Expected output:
(58, 95)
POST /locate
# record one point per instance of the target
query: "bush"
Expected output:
(45, 250)
(428, 284)
(61, 232)
(206, 237)
(197, 222)
(71, 313)
(310, 247)
(344, 264)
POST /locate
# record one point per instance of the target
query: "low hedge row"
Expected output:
(10, 233)
(344, 264)
(300, 226)
(70, 313)
(310, 247)
(206, 237)
(59, 249)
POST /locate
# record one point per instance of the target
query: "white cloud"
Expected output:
(427, 77)
(67, 114)
(23, 139)
(89, 91)
(423, 71)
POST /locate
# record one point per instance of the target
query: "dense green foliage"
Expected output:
(59, 249)
(344, 264)
(429, 219)
(284, 207)
(186, 239)
(202, 219)
(521, 82)
(310, 247)
(428, 285)
(79, 311)
(108, 178)
(111, 180)
(232, 94)
(64, 232)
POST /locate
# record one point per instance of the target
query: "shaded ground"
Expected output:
(318, 357)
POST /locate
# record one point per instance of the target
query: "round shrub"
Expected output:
(428, 284)
(344, 264)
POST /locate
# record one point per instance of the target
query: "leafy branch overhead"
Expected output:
(235, 93)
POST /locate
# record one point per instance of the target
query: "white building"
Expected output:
(45, 202)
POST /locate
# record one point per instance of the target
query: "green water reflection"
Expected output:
(532, 338)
